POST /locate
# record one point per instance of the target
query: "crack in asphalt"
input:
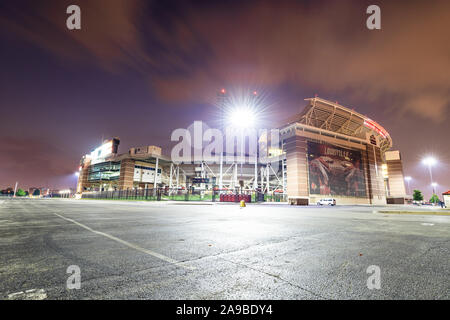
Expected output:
(277, 277)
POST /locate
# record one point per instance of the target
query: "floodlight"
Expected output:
(242, 118)
(429, 161)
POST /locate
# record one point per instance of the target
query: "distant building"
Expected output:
(446, 196)
(334, 151)
(327, 150)
(37, 192)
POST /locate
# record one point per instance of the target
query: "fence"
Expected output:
(183, 195)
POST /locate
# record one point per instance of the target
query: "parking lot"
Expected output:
(158, 250)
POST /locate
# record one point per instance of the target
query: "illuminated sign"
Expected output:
(375, 127)
(335, 171)
(200, 180)
(100, 153)
(273, 152)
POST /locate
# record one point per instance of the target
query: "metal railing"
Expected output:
(163, 194)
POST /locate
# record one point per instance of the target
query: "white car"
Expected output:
(330, 202)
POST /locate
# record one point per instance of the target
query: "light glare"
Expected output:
(242, 118)
(429, 161)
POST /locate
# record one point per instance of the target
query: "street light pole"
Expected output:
(408, 179)
(431, 176)
(430, 161)
(434, 185)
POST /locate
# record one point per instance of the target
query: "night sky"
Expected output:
(140, 69)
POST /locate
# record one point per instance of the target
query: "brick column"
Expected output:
(297, 170)
(375, 181)
(126, 174)
(83, 179)
(396, 179)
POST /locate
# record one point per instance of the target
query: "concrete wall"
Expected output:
(375, 181)
(396, 179)
(297, 172)
(447, 200)
(296, 167)
(313, 199)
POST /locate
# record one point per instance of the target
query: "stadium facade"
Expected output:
(326, 151)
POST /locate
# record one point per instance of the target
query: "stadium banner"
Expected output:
(335, 171)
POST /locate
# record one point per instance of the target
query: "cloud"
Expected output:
(109, 34)
(327, 48)
(188, 51)
(33, 159)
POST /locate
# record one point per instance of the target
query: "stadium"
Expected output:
(325, 151)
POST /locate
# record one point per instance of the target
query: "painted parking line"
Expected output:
(32, 294)
(128, 244)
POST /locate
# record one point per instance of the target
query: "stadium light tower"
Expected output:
(429, 162)
(242, 117)
(408, 179)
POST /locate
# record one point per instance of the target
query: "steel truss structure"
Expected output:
(332, 117)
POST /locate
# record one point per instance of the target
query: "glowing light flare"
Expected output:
(376, 127)
(429, 161)
(242, 117)
(408, 178)
(242, 108)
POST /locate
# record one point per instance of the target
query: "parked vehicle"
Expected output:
(330, 202)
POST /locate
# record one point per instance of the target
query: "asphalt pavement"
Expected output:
(156, 250)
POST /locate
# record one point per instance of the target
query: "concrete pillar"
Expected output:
(396, 180)
(83, 179)
(156, 176)
(375, 181)
(297, 170)
(126, 174)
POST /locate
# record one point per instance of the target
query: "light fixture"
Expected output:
(242, 117)
(429, 161)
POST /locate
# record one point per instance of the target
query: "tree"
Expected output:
(417, 195)
(8, 191)
(20, 193)
(434, 198)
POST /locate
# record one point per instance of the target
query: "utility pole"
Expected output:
(15, 189)
(221, 100)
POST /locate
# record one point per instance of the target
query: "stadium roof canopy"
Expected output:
(327, 115)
